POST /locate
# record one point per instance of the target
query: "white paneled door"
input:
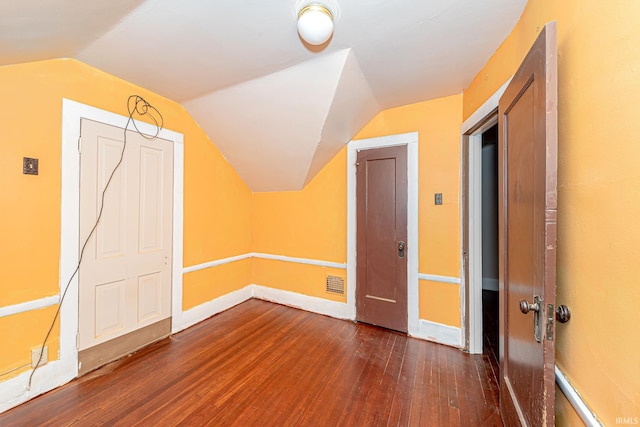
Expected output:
(125, 274)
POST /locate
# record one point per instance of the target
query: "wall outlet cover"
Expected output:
(35, 355)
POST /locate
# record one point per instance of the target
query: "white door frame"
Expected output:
(72, 113)
(411, 141)
(471, 133)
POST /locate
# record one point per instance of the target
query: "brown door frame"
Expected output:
(411, 141)
(470, 226)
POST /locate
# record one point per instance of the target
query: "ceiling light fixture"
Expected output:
(315, 23)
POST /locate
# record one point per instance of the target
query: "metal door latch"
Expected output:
(551, 317)
(401, 249)
(537, 307)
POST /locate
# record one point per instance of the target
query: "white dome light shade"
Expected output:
(315, 23)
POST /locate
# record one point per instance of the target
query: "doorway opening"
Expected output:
(489, 224)
(472, 130)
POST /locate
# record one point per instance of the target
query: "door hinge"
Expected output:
(80, 145)
(551, 316)
(77, 341)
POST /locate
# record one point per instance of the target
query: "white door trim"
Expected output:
(471, 130)
(72, 113)
(411, 141)
(14, 391)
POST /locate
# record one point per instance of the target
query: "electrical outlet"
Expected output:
(35, 355)
(438, 198)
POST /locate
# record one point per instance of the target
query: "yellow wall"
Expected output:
(19, 335)
(598, 191)
(210, 283)
(310, 223)
(217, 203)
(599, 203)
(438, 125)
(296, 277)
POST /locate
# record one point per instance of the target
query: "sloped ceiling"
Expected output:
(277, 108)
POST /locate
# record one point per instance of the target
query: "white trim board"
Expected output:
(307, 261)
(23, 307)
(437, 332)
(63, 370)
(572, 395)
(203, 311)
(72, 113)
(288, 298)
(411, 141)
(284, 258)
(441, 279)
(215, 263)
(336, 309)
(484, 110)
(470, 129)
(14, 391)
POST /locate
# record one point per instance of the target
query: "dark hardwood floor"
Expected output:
(265, 364)
(490, 326)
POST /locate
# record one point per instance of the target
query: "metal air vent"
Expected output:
(335, 285)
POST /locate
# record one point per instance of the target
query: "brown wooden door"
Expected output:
(528, 212)
(381, 193)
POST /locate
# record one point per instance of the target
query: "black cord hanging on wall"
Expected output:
(137, 106)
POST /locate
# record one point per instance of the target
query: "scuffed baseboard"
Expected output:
(437, 332)
(330, 308)
(203, 311)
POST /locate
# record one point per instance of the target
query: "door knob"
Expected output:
(525, 307)
(538, 310)
(401, 249)
(563, 314)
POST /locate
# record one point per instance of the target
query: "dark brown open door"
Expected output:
(381, 273)
(528, 212)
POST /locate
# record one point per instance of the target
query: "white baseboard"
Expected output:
(204, 311)
(437, 332)
(335, 309)
(13, 391)
(312, 304)
(572, 395)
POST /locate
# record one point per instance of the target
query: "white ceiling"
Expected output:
(278, 109)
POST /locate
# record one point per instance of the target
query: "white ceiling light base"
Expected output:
(315, 23)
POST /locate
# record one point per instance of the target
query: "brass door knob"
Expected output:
(525, 307)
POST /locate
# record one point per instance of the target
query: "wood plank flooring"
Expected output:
(265, 364)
